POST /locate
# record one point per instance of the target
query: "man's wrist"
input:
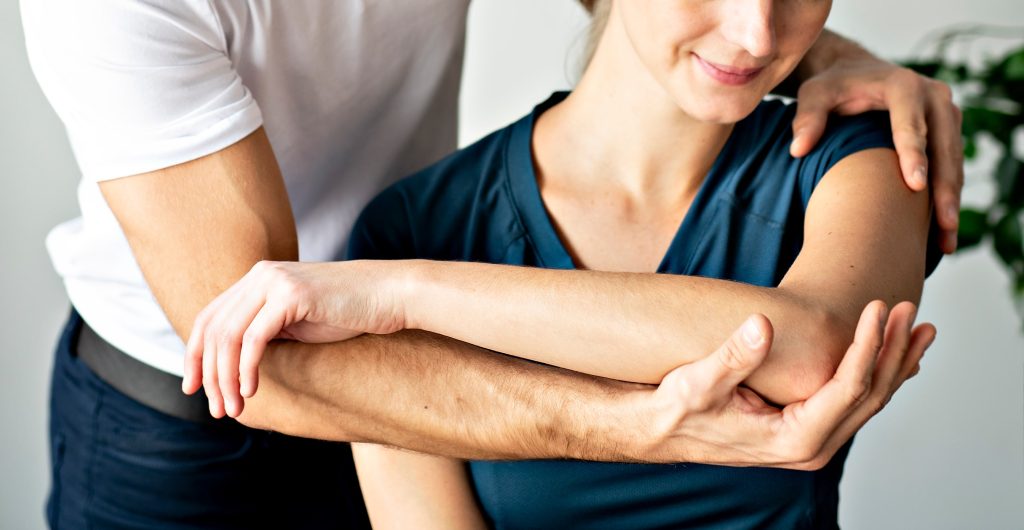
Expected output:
(617, 426)
(829, 49)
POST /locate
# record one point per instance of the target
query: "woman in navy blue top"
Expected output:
(727, 202)
(663, 159)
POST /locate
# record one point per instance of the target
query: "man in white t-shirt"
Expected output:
(212, 135)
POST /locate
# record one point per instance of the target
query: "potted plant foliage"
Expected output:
(991, 97)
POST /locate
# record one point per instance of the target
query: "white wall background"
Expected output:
(947, 453)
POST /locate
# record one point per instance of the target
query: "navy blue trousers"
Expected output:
(119, 464)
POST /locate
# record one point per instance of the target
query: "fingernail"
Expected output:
(951, 241)
(751, 334)
(921, 176)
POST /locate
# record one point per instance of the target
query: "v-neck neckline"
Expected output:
(551, 250)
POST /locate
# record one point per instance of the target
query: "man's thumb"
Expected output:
(741, 353)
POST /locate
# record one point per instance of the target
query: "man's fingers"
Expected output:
(824, 411)
(945, 146)
(735, 360)
(920, 339)
(907, 112)
(894, 352)
(814, 102)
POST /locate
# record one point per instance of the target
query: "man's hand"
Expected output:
(925, 122)
(702, 413)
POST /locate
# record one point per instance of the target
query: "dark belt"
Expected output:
(143, 383)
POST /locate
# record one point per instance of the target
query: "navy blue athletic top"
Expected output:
(483, 204)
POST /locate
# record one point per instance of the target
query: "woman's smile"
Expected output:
(728, 75)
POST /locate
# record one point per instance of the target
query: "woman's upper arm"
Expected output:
(403, 489)
(865, 238)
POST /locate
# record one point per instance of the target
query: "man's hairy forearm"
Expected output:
(829, 48)
(435, 395)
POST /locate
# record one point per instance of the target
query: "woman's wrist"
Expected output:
(406, 285)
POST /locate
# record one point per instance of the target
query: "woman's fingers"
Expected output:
(196, 346)
(193, 378)
(211, 385)
(266, 325)
(236, 315)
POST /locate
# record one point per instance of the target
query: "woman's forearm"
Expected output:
(632, 327)
(865, 237)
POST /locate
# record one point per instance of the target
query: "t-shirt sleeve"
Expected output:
(139, 85)
(844, 136)
(383, 230)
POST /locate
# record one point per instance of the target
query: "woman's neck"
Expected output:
(619, 130)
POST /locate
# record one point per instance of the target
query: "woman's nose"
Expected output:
(750, 24)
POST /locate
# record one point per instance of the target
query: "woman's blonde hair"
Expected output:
(598, 10)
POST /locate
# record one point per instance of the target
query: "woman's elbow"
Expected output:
(826, 336)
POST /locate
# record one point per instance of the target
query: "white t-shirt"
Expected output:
(353, 95)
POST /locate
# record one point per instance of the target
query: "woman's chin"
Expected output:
(717, 110)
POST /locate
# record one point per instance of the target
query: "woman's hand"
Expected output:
(925, 123)
(308, 302)
(702, 409)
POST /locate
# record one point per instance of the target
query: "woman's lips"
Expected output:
(728, 75)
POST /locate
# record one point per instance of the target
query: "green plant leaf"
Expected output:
(1010, 180)
(951, 73)
(1008, 242)
(970, 147)
(1013, 66)
(999, 124)
(973, 227)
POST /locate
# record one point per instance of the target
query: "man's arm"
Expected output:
(838, 75)
(434, 395)
(195, 228)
